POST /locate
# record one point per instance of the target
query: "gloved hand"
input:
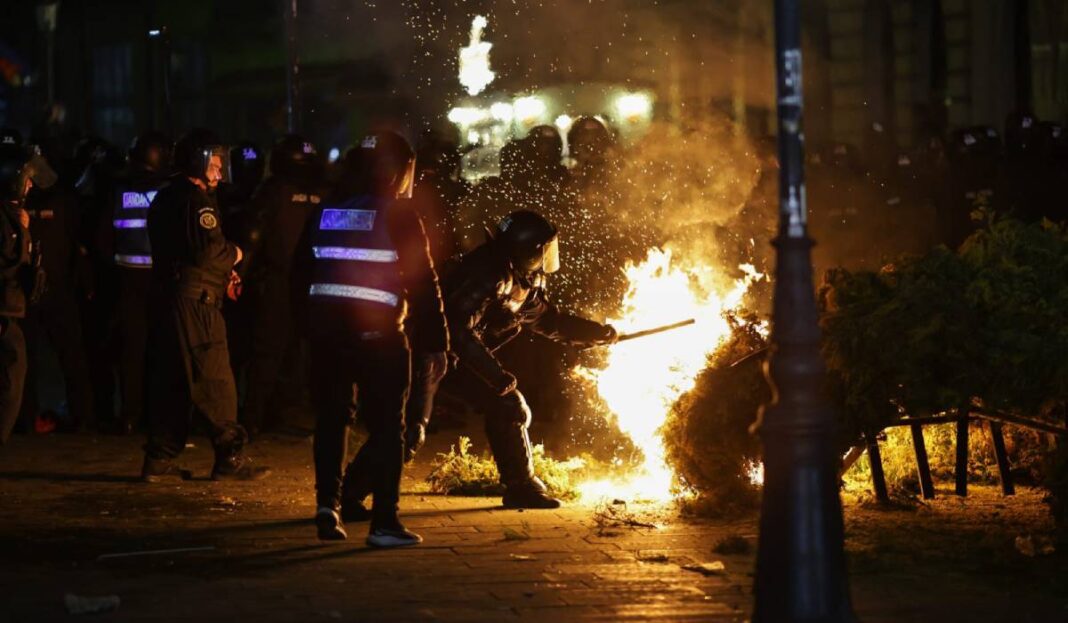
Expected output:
(437, 364)
(505, 384)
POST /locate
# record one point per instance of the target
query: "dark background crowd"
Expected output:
(90, 326)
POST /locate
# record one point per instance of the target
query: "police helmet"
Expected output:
(10, 136)
(152, 150)
(295, 158)
(588, 137)
(15, 171)
(1023, 134)
(387, 163)
(511, 159)
(246, 164)
(975, 141)
(193, 154)
(546, 142)
(529, 241)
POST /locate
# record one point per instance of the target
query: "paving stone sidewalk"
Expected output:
(68, 500)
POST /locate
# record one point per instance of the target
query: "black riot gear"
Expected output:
(547, 145)
(529, 241)
(295, 159)
(362, 264)
(1024, 136)
(588, 139)
(193, 154)
(15, 172)
(152, 151)
(386, 165)
(246, 165)
(486, 307)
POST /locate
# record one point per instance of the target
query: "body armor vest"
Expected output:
(130, 221)
(356, 289)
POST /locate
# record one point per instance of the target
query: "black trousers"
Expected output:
(55, 319)
(190, 377)
(371, 379)
(131, 337)
(417, 411)
(507, 420)
(12, 375)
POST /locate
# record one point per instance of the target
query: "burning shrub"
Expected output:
(706, 436)
(460, 472)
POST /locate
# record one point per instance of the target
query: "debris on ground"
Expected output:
(733, 544)
(78, 604)
(716, 567)
(616, 515)
(512, 534)
(522, 557)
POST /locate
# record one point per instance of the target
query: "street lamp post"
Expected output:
(801, 573)
(293, 104)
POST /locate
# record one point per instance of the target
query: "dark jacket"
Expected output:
(189, 251)
(487, 305)
(54, 224)
(274, 223)
(14, 261)
(422, 314)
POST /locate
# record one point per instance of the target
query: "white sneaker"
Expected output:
(395, 536)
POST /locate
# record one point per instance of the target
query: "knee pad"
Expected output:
(515, 410)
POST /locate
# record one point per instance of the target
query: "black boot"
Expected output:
(237, 467)
(155, 470)
(529, 494)
(328, 523)
(231, 463)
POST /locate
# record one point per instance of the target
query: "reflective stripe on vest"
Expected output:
(136, 261)
(354, 292)
(130, 223)
(354, 254)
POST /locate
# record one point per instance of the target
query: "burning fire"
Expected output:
(643, 378)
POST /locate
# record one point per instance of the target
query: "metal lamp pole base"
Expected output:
(801, 576)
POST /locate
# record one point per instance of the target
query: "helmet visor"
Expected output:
(550, 262)
(216, 165)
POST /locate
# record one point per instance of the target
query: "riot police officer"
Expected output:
(15, 182)
(276, 216)
(192, 268)
(54, 317)
(363, 265)
(497, 291)
(135, 188)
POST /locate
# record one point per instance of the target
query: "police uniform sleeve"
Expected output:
(544, 318)
(429, 331)
(208, 247)
(464, 306)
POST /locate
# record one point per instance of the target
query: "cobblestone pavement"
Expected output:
(69, 500)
